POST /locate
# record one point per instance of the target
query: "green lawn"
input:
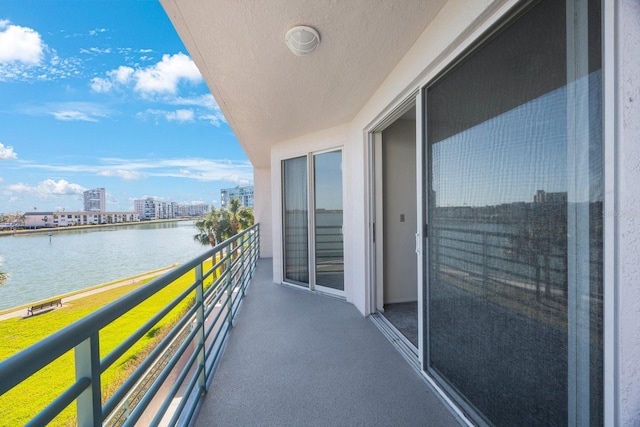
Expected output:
(25, 400)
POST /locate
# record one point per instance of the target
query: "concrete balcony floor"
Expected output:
(296, 358)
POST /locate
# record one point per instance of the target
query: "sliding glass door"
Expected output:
(329, 252)
(313, 244)
(514, 177)
(296, 221)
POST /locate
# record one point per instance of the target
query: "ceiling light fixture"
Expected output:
(302, 40)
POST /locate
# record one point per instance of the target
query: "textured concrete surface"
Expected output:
(300, 359)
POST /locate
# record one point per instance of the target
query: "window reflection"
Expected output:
(515, 214)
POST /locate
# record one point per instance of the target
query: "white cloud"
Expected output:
(127, 175)
(213, 114)
(161, 78)
(214, 119)
(68, 111)
(120, 76)
(73, 116)
(165, 76)
(95, 51)
(97, 31)
(206, 170)
(20, 44)
(24, 56)
(180, 115)
(7, 153)
(47, 189)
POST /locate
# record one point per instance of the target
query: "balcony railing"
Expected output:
(167, 386)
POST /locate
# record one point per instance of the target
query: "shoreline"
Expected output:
(18, 311)
(88, 227)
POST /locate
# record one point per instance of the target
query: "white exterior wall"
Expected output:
(626, 218)
(457, 25)
(450, 32)
(262, 209)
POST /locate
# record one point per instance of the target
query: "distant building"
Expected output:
(193, 209)
(146, 208)
(244, 194)
(151, 208)
(543, 197)
(95, 200)
(64, 219)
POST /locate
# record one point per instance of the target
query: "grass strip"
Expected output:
(24, 401)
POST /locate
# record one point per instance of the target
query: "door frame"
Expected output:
(375, 237)
(311, 257)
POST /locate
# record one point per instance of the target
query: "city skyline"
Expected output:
(104, 94)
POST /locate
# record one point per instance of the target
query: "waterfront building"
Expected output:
(185, 210)
(425, 127)
(64, 219)
(244, 194)
(151, 208)
(95, 200)
(146, 208)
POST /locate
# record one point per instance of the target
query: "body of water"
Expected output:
(42, 266)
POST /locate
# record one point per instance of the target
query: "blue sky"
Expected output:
(104, 94)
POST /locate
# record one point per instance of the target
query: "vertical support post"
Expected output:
(87, 365)
(244, 269)
(229, 286)
(202, 378)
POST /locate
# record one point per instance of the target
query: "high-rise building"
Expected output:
(244, 194)
(146, 208)
(95, 200)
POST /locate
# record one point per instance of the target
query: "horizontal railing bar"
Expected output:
(128, 384)
(60, 403)
(178, 382)
(108, 360)
(157, 383)
(183, 402)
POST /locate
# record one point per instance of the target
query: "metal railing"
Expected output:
(167, 386)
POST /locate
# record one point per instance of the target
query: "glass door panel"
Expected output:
(328, 217)
(296, 221)
(514, 297)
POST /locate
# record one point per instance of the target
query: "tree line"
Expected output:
(224, 223)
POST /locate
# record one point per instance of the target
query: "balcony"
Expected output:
(301, 359)
(292, 357)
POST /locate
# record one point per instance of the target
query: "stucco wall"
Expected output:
(262, 209)
(628, 212)
(451, 31)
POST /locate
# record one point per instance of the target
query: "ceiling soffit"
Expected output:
(268, 94)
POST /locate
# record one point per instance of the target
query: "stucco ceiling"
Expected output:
(268, 94)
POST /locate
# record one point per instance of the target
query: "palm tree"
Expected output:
(209, 229)
(222, 224)
(240, 216)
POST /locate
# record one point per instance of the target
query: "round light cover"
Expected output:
(302, 40)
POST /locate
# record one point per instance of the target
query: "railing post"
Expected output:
(87, 365)
(202, 379)
(229, 286)
(243, 267)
